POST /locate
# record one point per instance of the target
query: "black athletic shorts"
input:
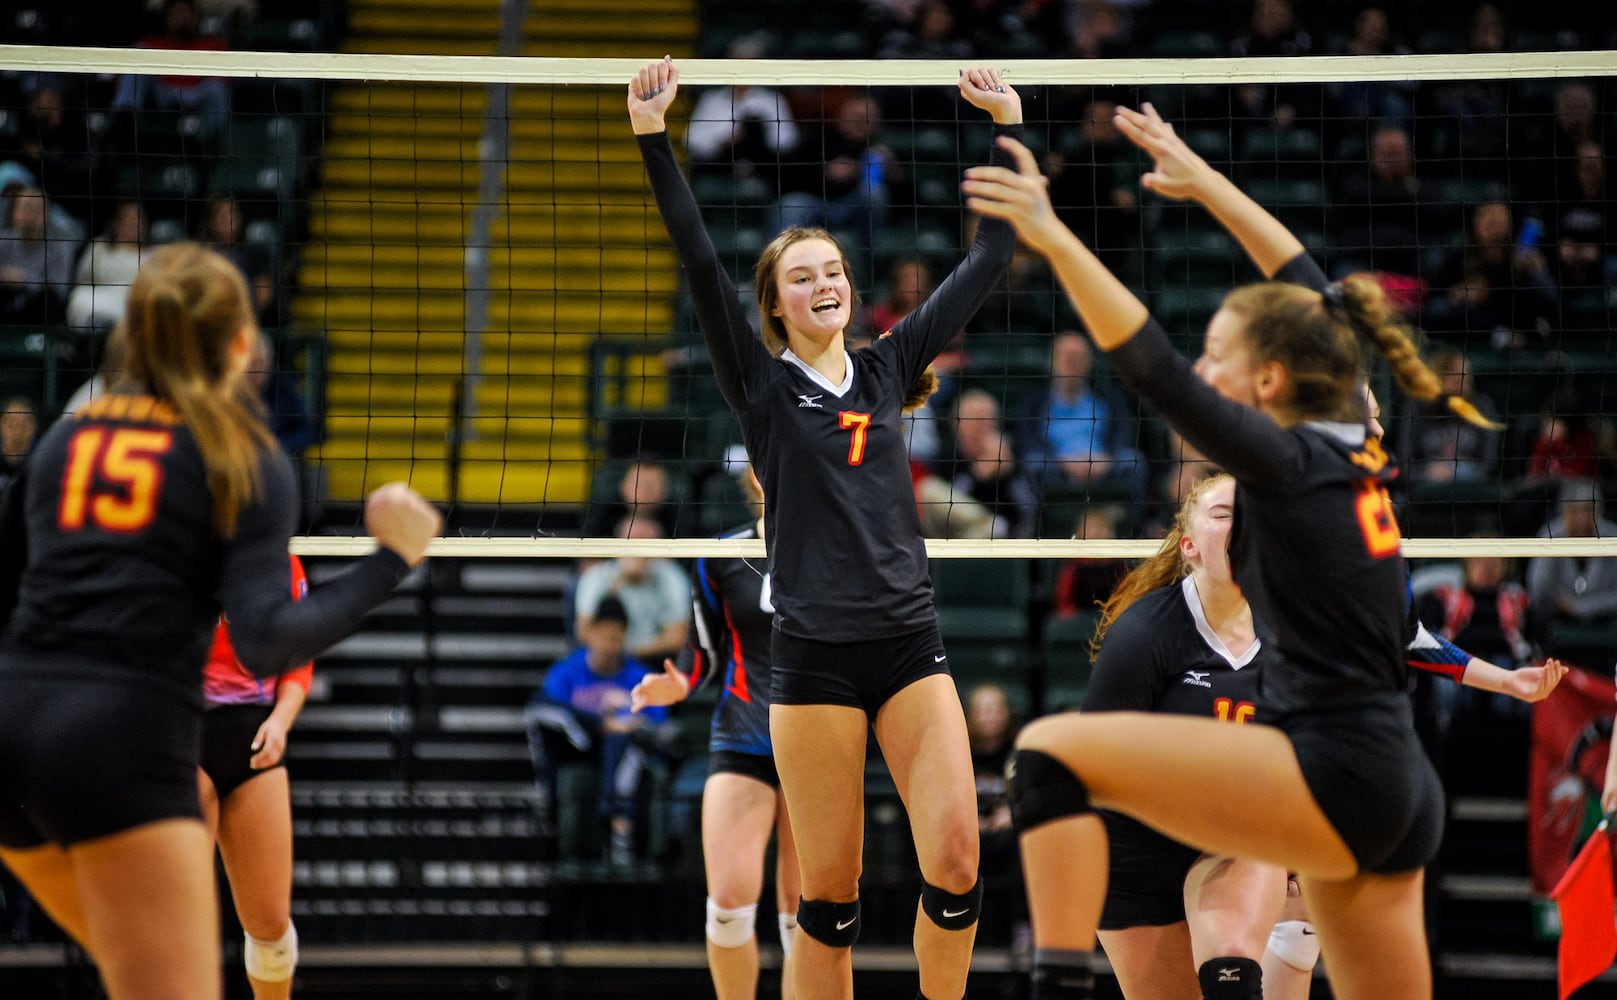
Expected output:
(857, 674)
(748, 765)
(1145, 882)
(85, 757)
(227, 745)
(1372, 780)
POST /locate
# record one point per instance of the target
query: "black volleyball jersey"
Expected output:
(1161, 655)
(845, 549)
(1314, 546)
(732, 612)
(107, 549)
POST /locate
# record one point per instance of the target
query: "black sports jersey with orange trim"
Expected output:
(846, 554)
(1314, 545)
(107, 551)
(1161, 655)
(733, 614)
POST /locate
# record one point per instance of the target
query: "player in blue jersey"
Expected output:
(741, 801)
(855, 642)
(1338, 789)
(136, 522)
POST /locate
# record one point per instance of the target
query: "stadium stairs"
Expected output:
(576, 254)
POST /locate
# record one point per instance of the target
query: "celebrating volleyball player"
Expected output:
(1339, 790)
(855, 638)
(1177, 636)
(741, 802)
(135, 522)
(246, 803)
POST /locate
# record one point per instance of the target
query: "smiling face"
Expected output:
(813, 297)
(1227, 362)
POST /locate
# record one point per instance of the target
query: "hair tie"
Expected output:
(1335, 297)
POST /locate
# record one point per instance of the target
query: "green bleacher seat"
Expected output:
(982, 614)
(1065, 646)
(1188, 45)
(1281, 144)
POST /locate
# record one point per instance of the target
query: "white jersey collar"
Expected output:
(820, 380)
(1351, 434)
(1193, 601)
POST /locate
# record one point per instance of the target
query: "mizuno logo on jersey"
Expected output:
(1198, 678)
(810, 402)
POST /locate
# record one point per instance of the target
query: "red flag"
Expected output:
(1567, 769)
(1588, 914)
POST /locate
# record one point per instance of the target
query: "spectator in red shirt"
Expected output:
(207, 97)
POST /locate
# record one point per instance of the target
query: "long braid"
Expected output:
(1364, 306)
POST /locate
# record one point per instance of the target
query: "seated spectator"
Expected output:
(581, 713)
(1088, 189)
(224, 230)
(19, 429)
(1390, 103)
(643, 494)
(1474, 109)
(743, 129)
(909, 283)
(1072, 432)
(207, 97)
(1495, 287)
(840, 175)
(1485, 614)
(1273, 30)
(107, 268)
(1570, 592)
(991, 728)
(931, 32)
(36, 266)
(1381, 213)
(1440, 447)
(1583, 230)
(1550, 175)
(655, 591)
(1082, 585)
(53, 144)
(284, 403)
(986, 469)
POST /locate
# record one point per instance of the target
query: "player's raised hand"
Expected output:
(1177, 172)
(665, 688)
(650, 93)
(983, 87)
(1020, 197)
(401, 519)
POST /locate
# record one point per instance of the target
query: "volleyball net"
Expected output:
(468, 287)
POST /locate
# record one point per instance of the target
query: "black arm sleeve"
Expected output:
(1303, 270)
(732, 345)
(13, 544)
(273, 632)
(1249, 444)
(923, 333)
(1128, 674)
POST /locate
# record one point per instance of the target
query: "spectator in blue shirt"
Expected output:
(1072, 433)
(581, 713)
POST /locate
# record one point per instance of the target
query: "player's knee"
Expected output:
(1231, 979)
(272, 961)
(835, 925)
(731, 926)
(952, 911)
(1041, 790)
(1295, 943)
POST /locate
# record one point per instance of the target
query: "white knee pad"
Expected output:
(272, 961)
(1295, 943)
(788, 930)
(730, 928)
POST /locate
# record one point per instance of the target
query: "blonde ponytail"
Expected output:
(187, 307)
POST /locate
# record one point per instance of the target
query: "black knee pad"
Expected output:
(835, 925)
(951, 911)
(1231, 979)
(1041, 789)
